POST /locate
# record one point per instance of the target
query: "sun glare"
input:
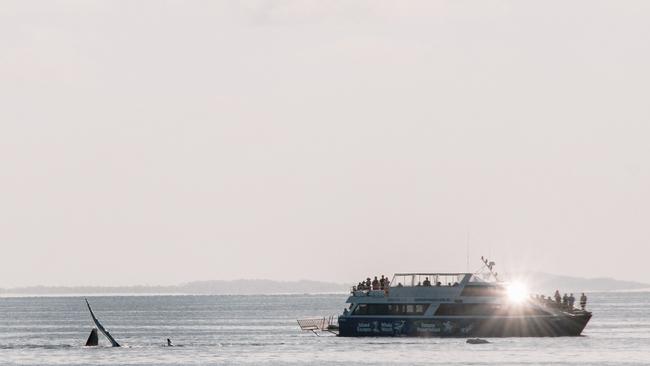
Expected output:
(517, 292)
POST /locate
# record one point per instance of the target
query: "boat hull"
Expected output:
(543, 326)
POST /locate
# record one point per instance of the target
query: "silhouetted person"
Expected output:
(375, 284)
(583, 301)
(572, 301)
(426, 282)
(565, 300)
(382, 282)
(368, 283)
(386, 283)
(558, 298)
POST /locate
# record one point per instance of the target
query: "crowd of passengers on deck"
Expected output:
(427, 283)
(381, 284)
(565, 302)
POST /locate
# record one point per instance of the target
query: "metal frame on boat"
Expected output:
(316, 325)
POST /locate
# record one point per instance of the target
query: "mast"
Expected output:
(467, 264)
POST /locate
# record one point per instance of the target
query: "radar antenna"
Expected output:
(488, 269)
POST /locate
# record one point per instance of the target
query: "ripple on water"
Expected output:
(213, 330)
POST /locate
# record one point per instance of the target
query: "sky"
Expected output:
(160, 142)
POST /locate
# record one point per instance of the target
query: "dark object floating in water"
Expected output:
(169, 343)
(93, 339)
(477, 341)
(101, 328)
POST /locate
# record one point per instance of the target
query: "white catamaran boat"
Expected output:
(452, 305)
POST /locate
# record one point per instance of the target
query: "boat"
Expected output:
(466, 305)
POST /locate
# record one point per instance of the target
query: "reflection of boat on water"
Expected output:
(455, 305)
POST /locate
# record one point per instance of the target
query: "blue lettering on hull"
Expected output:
(462, 327)
(404, 327)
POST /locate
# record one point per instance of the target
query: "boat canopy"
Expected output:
(435, 279)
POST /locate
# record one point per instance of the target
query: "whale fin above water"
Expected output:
(93, 339)
(101, 328)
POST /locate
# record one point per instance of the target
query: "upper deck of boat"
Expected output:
(429, 286)
(415, 278)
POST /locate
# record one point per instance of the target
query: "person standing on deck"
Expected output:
(558, 298)
(382, 282)
(375, 284)
(572, 301)
(583, 301)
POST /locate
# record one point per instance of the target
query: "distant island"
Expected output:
(543, 283)
(217, 287)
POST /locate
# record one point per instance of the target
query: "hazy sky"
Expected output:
(157, 142)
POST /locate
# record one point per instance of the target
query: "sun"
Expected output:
(517, 292)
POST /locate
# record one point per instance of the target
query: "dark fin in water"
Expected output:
(93, 339)
(101, 328)
(169, 343)
(477, 341)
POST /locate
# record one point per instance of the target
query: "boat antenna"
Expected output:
(490, 267)
(467, 265)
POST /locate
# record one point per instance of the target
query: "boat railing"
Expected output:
(374, 293)
(552, 304)
(316, 325)
(428, 279)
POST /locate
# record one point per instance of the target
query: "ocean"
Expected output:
(262, 330)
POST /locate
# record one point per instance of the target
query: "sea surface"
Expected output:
(262, 330)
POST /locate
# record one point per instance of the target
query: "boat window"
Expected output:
(525, 310)
(468, 309)
(489, 291)
(391, 309)
(361, 309)
(487, 309)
